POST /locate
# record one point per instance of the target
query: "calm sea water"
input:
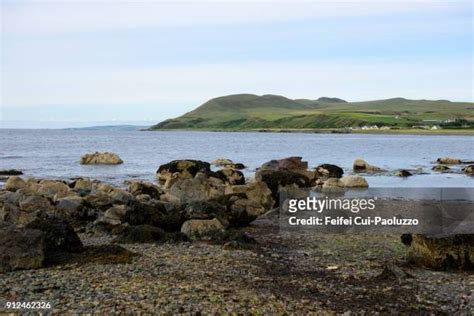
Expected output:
(56, 153)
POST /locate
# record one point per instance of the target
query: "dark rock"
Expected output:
(468, 170)
(403, 173)
(58, 233)
(185, 169)
(455, 252)
(329, 171)
(440, 168)
(20, 248)
(156, 213)
(204, 210)
(137, 188)
(290, 163)
(275, 179)
(11, 172)
(229, 176)
(147, 234)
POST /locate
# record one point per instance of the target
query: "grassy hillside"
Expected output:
(248, 111)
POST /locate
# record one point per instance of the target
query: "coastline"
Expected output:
(445, 132)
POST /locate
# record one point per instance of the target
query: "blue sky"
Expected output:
(86, 61)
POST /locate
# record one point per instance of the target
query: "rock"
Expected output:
(20, 249)
(403, 173)
(290, 163)
(112, 217)
(34, 203)
(179, 170)
(468, 169)
(50, 188)
(230, 176)
(275, 179)
(140, 187)
(221, 162)
(448, 161)
(329, 171)
(58, 234)
(71, 205)
(15, 183)
(120, 196)
(196, 229)
(354, 182)
(105, 158)
(147, 234)
(440, 168)
(361, 165)
(333, 185)
(204, 210)
(455, 252)
(83, 184)
(156, 213)
(10, 172)
(199, 188)
(100, 201)
(256, 191)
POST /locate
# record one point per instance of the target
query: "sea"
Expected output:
(56, 153)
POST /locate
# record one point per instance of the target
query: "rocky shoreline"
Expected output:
(209, 241)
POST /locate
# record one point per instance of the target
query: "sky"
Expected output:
(70, 63)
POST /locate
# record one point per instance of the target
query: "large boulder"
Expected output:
(114, 216)
(155, 213)
(11, 214)
(33, 203)
(354, 181)
(204, 210)
(199, 188)
(203, 229)
(448, 161)
(333, 185)
(20, 248)
(280, 178)
(59, 236)
(141, 187)
(120, 196)
(82, 185)
(179, 170)
(103, 158)
(454, 252)
(329, 171)
(50, 188)
(147, 234)
(361, 165)
(256, 191)
(290, 163)
(15, 183)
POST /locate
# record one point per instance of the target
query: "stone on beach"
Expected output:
(103, 158)
(20, 248)
(455, 252)
(203, 229)
(361, 165)
(403, 173)
(15, 183)
(329, 171)
(354, 181)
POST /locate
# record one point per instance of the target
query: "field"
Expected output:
(250, 112)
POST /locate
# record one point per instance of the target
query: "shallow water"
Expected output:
(56, 153)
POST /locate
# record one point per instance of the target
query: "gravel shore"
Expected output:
(292, 274)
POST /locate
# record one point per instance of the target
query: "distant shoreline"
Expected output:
(448, 132)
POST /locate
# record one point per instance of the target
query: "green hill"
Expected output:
(248, 111)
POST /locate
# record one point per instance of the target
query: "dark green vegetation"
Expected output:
(248, 111)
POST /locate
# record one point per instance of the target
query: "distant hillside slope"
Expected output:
(248, 111)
